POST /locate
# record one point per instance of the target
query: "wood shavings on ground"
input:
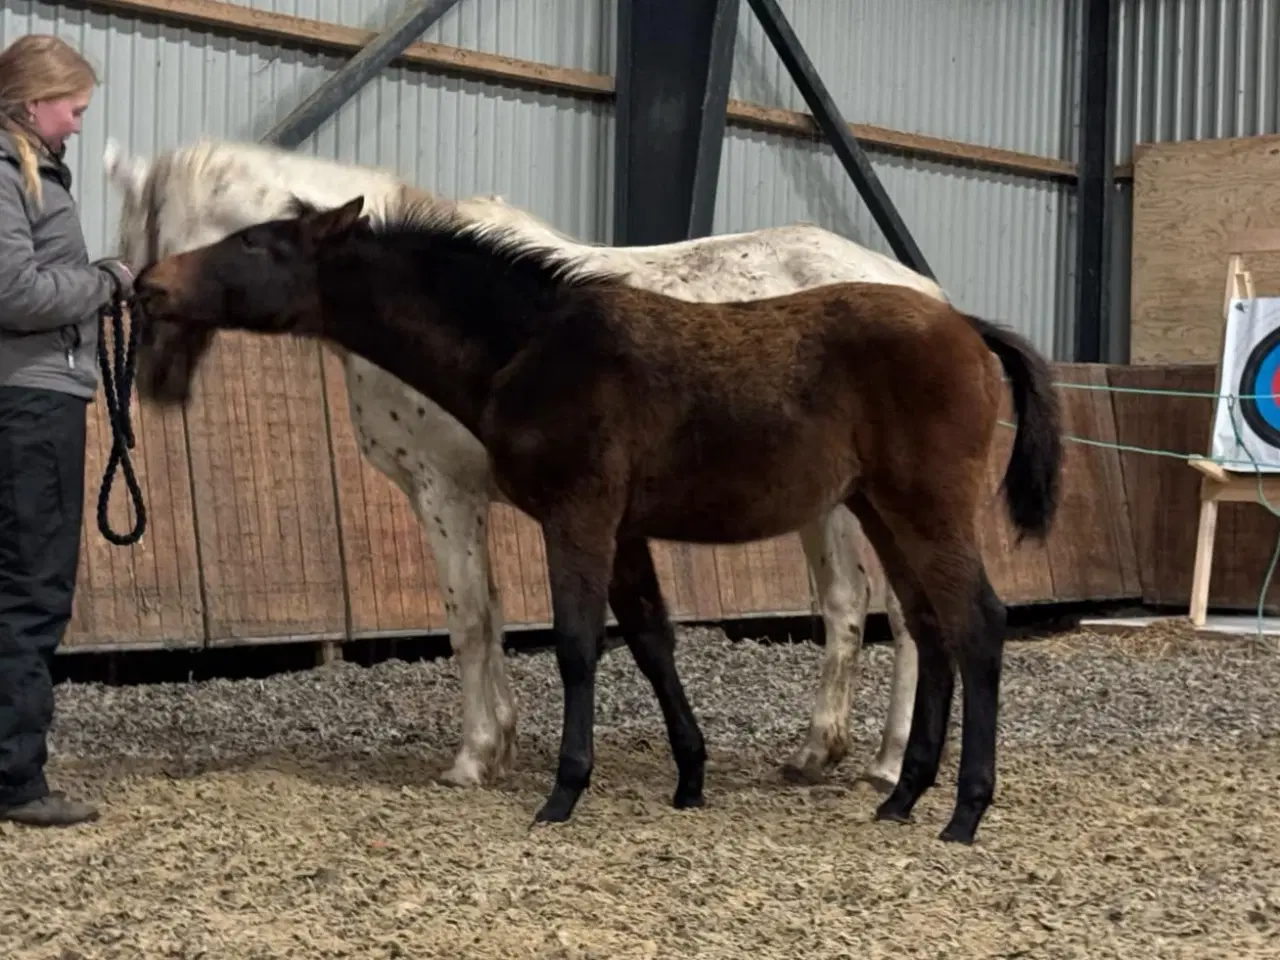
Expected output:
(298, 816)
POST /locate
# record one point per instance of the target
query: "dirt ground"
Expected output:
(1154, 833)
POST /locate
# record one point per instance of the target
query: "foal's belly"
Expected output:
(766, 495)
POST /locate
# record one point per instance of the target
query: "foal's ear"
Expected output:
(327, 224)
(300, 209)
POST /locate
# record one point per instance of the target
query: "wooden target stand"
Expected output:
(1217, 483)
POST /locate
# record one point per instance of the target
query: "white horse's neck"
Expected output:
(249, 182)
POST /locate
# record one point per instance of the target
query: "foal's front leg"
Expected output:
(636, 598)
(579, 568)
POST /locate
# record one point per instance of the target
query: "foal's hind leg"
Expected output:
(636, 599)
(981, 661)
(930, 555)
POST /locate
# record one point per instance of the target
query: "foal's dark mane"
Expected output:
(485, 282)
(499, 284)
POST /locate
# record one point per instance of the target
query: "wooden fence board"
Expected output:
(147, 594)
(391, 574)
(268, 521)
(1163, 494)
(690, 584)
(1091, 555)
(767, 576)
(1018, 573)
(264, 492)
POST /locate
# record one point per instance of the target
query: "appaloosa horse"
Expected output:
(612, 415)
(200, 192)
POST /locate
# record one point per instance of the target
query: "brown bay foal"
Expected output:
(613, 415)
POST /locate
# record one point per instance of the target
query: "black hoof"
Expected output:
(895, 808)
(961, 829)
(559, 806)
(950, 835)
(692, 801)
(892, 815)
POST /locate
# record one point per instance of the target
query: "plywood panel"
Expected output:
(264, 492)
(1187, 199)
(1163, 494)
(147, 594)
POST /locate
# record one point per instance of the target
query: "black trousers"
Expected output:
(42, 460)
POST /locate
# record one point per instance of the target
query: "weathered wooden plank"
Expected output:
(687, 575)
(264, 492)
(147, 594)
(1021, 573)
(504, 546)
(767, 576)
(391, 574)
(1091, 554)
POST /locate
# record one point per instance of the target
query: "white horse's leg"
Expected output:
(455, 516)
(884, 772)
(504, 702)
(830, 546)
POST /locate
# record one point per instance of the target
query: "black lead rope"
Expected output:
(117, 385)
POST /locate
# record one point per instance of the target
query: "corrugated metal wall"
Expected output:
(1188, 70)
(165, 85)
(991, 72)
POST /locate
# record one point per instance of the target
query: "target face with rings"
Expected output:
(1260, 389)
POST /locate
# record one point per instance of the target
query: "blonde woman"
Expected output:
(49, 298)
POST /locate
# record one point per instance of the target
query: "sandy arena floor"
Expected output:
(1138, 817)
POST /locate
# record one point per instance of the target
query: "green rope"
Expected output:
(1162, 392)
(1222, 461)
(1152, 451)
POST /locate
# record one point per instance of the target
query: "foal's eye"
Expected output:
(249, 241)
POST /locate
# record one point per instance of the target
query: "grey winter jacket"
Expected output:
(49, 291)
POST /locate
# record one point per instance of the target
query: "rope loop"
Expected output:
(117, 385)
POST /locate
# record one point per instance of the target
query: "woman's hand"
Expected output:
(120, 274)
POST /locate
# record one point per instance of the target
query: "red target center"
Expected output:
(1274, 386)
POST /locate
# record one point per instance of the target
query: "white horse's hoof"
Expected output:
(806, 772)
(880, 780)
(810, 766)
(469, 770)
(465, 772)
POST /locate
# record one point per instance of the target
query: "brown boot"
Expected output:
(55, 809)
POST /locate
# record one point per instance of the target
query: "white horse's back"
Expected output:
(213, 186)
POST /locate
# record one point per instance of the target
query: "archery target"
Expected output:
(1247, 422)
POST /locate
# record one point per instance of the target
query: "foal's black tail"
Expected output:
(1031, 481)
